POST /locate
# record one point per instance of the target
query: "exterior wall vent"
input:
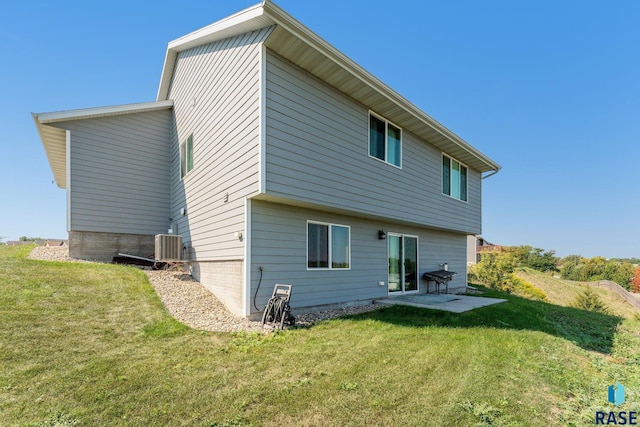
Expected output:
(168, 247)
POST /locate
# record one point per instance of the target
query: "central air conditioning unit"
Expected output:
(168, 247)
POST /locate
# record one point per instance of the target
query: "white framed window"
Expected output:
(385, 140)
(186, 156)
(328, 246)
(454, 178)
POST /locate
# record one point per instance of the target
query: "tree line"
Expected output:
(575, 267)
(625, 272)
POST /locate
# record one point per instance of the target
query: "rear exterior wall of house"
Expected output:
(317, 151)
(279, 245)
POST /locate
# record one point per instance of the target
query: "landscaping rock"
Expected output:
(192, 304)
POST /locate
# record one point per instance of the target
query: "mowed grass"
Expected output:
(92, 344)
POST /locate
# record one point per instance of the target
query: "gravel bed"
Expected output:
(52, 253)
(192, 304)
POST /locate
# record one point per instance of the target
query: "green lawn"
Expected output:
(92, 344)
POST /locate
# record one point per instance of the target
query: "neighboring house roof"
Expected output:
(297, 43)
(481, 241)
(55, 139)
(483, 245)
(54, 242)
(489, 248)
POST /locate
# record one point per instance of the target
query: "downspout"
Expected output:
(491, 174)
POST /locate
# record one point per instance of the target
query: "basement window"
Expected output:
(328, 246)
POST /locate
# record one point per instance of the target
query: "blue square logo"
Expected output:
(616, 394)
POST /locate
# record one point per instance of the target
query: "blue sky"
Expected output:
(550, 90)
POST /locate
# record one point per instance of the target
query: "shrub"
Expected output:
(635, 282)
(590, 301)
(496, 270)
(493, 268)
(526, 289)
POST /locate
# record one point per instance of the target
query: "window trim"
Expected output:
(442, 173)
(184, 157)
(329, 246)
(386, 136)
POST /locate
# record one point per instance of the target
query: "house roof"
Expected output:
(54, 138)
(297, 43)
(55, 242)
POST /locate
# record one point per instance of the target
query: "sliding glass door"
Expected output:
(403, 263)
(395, 262)
(410, 264)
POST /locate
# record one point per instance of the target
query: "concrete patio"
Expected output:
(445, 302)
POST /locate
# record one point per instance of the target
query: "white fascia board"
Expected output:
(68, 176)
(247, 20)
(283, 19)
(58, 167)
(167, 74)
(88, 113)
(268, 13)
(233, 25)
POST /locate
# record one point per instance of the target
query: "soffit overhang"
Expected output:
(301, 46)
(54, 135)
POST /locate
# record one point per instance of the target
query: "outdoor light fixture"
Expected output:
(382, 235)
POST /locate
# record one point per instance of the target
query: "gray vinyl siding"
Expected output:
(120, 173)
(317, 152)
(216, 94)
(278, 244)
